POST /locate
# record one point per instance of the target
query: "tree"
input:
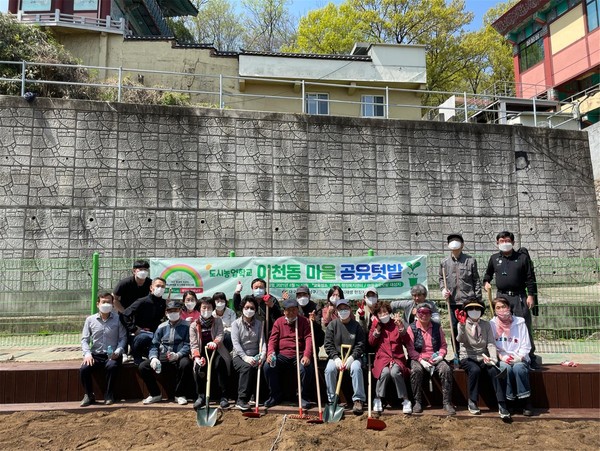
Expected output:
(217, 23)
(269, 25)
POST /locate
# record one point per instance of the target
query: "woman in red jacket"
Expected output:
(387, 336)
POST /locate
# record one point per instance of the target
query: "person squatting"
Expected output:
(262, 336)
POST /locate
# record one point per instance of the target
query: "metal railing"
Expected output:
(73, 20)
(222, 91)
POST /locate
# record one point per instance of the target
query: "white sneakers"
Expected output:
(406, 407)
(181, 400)
(152, 399)
(377, 406)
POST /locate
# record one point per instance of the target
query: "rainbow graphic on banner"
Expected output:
(182, 277)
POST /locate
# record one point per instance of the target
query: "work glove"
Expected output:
(212, 345)
(375, 321)
(154, 363)
(238, 287)
(487, 360)
(349, 362)
(338, 363)
(507, 359)
(435, 360)
(446, 293)
(249, 360)
(361, 308)
(200, 361)
(172, 356)
(461, 316)
(516, 358)
(425, 364)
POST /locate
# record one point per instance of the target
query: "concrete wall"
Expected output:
(130, 180)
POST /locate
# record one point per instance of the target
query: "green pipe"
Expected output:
(95, 272)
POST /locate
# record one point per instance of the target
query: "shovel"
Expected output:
(455, 360)
(334, 413)
(373, 423)
(502, 372)
(300, 415)
(315, 360)
(207, 416)
(256, 413)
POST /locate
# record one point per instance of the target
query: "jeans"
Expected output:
(398, 379)
(110, 367)
(473, 370)
(272, 375)
(517, 382)
(356, 374)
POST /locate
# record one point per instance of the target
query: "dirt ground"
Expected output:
(169, 429)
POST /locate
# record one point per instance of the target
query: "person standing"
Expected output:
(130, 289)
(461, 281)
(515, 281)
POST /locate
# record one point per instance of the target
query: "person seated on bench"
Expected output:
(207, 332)
(478, 353)
(170, 346)
(250, 350)
(227, 315)
(103, 341)
(512, 341)
(281, 352)
(191, 310)
(427, 348)
(387, 337)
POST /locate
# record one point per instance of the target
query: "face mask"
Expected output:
(454, 245)
(474, 314)
(371, 301)
(142, 274)
(334, 299)
(505, 247)
(504, 314)
(344, 314)
(303, 301)
(220, 306)
(384, 319)
(190, 305)
(105, 308)
(291, 320)
(158, 292)
(206, 314)
(249, 312)
(258, 292)
(173, 316)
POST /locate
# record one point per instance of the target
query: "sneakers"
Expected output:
(305, 404)
(109, 401)
(224, 403)
(199, 402)
(252, 400)
(527, 408)
(377, 405)
(87, 400)
(242, 405)
(357, 409)
(406, 407)
(271, 402)
(504, 413)
(449, 408)
(152, 399)
(181, 400)
(417, 408)
(473, 409)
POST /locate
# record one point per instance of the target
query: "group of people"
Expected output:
(398, 341)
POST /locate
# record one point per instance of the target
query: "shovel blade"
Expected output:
(333, 414)
(375, 424)
(254, 414)
(207, 417)
(502, 374)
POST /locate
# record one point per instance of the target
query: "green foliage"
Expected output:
(217, 23)
(268, 25)
(180, 30)
(175, 98)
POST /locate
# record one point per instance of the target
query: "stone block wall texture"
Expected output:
(131, 180)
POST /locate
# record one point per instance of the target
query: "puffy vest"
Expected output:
(436, 339)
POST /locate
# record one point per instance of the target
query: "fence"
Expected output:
(222, 91)
(45, 301)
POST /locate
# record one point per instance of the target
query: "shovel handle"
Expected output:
(345, 353)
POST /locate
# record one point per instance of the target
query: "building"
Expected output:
(556, 48)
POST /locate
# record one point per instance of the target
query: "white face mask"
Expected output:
(344, 314)
(258, 292)
(249, 312)
(142, 274)
(505, 247)
(371, 301)
(474, 314)
(333, 299)
(454, 245)
(291, 320)
(105, 308)
(173, 316)
(158, 292)
(384, 319)
(220, 306)
(206, 313)
(190, 305)
(303, 301)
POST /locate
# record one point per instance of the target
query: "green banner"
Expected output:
(393, 276)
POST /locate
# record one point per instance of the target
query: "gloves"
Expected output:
(249, 360)
(446, 293)
(425, 364)
(435, 360)
(200, 361)
(338, 363)
(212, 345)
(154, 363)
(507, 359)
(361, 308)
(515, 358)
(375, 321)
(461, 316)
(349, 362)
(172, 356)
(238, 287)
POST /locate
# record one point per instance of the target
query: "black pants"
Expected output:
(149, 376)
(219, 372)
(110, 368)
(284, 363)
(473, 370)
(246, 378)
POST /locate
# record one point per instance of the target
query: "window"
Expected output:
(593, 14)
(372, 106)
(317, 104)
(530, 53)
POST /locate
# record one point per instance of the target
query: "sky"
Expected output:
(301, 7)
